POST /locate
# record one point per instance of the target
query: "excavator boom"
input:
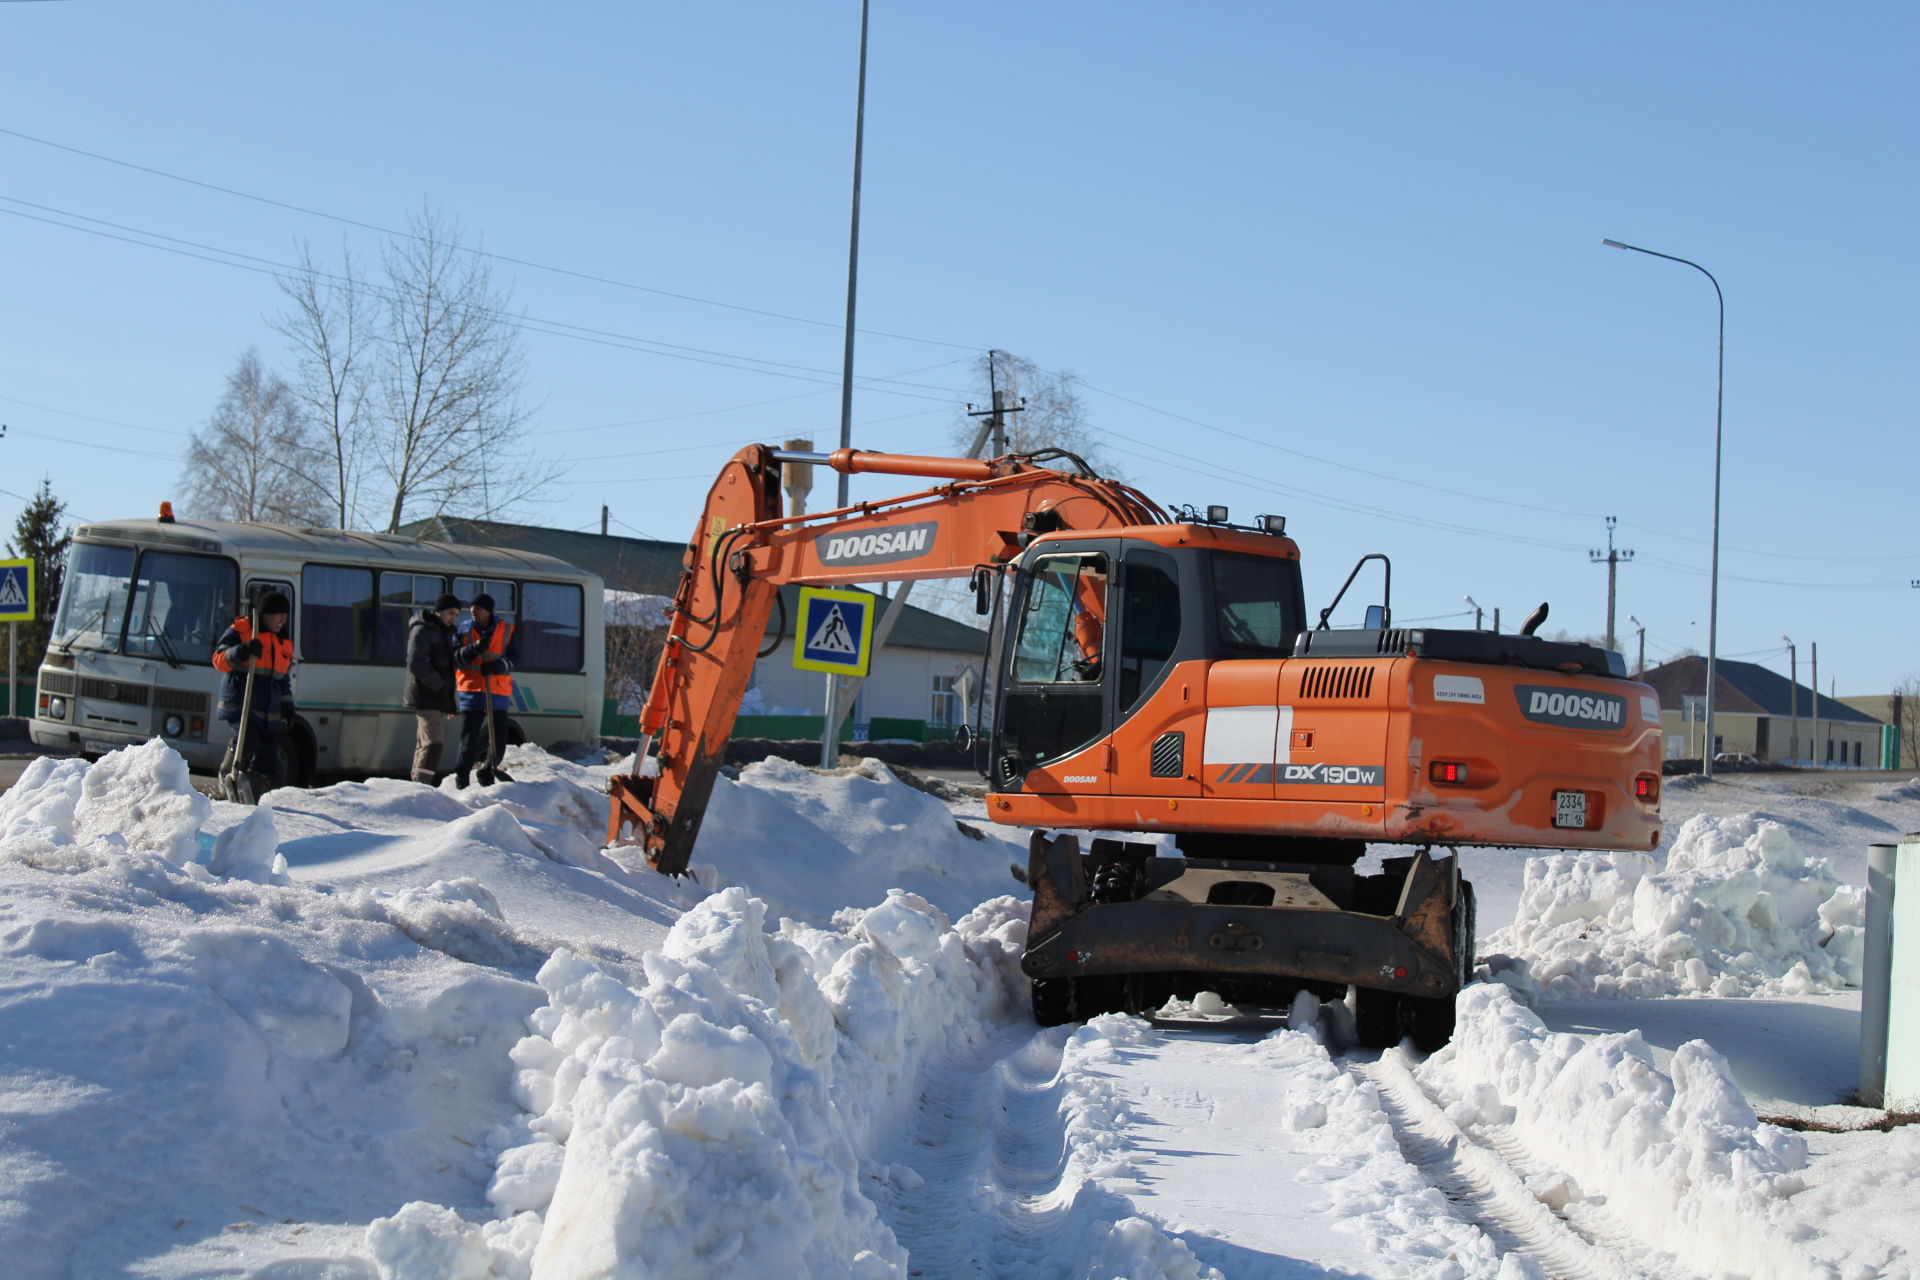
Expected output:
(744, 550)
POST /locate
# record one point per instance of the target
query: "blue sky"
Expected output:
(1340, 262)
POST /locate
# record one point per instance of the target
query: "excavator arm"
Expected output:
(744, 550)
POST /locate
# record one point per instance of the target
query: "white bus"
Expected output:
(144, 600)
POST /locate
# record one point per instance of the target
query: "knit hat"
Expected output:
(274, 602)
(447, 601)
(483, 601)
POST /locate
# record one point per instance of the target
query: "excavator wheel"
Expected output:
(1382, 1018)
(1053, 1001)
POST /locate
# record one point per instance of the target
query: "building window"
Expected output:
(946, 701)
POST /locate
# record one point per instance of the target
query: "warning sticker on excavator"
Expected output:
(835, 631)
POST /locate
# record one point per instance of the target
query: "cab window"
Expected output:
(1253, 609)
(1149, 623)
(1063, 624)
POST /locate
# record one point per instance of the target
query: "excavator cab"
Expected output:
(1098, 625)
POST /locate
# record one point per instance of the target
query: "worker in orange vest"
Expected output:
(484, 654)
(267, 659)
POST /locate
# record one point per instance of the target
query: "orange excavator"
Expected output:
(1157, 676)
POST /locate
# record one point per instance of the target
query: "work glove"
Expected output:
(252, 648)
(465, 654)
(287, 711)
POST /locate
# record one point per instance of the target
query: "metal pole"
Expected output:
(1876, 979)
(1813, 747)
(830, 731)
(1719, 403)
(1793, 699)
(13, 651)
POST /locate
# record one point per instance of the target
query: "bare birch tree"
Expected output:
(251, 461)
(416, 380)
(329, 327)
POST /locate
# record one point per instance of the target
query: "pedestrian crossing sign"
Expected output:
(835, 632)
(16, 591)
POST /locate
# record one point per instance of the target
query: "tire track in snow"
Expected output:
(989, 1141)
(1485, 1182)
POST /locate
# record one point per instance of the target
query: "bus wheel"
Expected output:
(296, 756)
(516, 736)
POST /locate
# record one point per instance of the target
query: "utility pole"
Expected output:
(1476, 611)
(1793, 697)
(603, 519)
(1640, 663)
(830, 730)
(1813, 748)
(995, 426)
(1612, 560)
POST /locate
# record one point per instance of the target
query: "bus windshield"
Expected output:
(93, 597)
(181, 604)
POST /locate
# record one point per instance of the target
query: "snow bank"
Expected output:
(1681, 1156)
(807, 842)
(712, 1120)
(1736, 911)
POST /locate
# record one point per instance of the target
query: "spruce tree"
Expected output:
(40, 535)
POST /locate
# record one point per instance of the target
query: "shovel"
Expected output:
(236, 784)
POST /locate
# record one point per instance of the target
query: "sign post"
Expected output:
(16, 607)
(835, 635)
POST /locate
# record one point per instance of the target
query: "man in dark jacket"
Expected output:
(267, 659)
(429, 693)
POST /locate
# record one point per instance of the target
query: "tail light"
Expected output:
(1647, 787)
(1448, 773)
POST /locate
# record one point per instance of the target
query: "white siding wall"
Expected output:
(901, 683)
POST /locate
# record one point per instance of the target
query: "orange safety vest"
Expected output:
(276, 652)
(497, 682)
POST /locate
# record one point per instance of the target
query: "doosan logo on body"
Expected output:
(1571, 707)
(875, 548)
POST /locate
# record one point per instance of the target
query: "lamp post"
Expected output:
(830, 731)
(1793, 696)
(1713, 577)
(1476, 611)
(1640, 663)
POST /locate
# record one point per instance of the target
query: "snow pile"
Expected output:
(636, 609)
(788, 832)
(1679, 1156)
(1736, 911)
(712, 1120)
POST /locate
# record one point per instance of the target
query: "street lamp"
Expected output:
(1640, 664)
(1713, 589)
(1476, 611)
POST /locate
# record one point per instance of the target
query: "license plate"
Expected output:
(1570, 809)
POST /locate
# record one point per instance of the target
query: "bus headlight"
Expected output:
(172, 726)
(57, 708)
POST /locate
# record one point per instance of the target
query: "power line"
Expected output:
(497, 257)
(552, 328)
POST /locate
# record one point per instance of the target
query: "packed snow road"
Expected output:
(383, 1030)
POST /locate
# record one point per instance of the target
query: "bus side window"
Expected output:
(336, 615)
(550, 626)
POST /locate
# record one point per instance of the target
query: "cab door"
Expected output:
(1058, 676)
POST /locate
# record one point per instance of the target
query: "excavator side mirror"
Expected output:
(982, 584)
(963, 738)
(1376, 617)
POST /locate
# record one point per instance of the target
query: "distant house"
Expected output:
(914, 691)
(1763, 713)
